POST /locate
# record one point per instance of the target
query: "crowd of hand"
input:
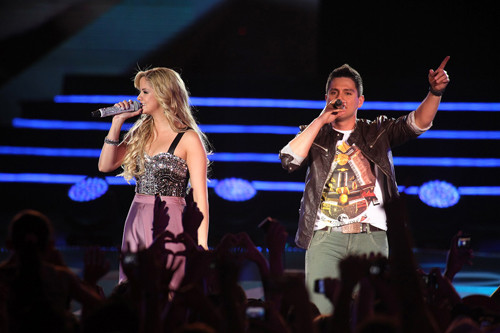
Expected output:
(373, 293)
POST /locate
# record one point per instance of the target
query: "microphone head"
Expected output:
(96, 114)
(338, 104)
(136, 105)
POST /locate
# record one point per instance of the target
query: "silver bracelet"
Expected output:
(111, 142)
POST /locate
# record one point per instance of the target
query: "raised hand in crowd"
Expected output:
(240, 247)
(276, 237)
(440, 294)
(414, 316)
(376, 297)
(352, 269)
(458, 255)
(296, 308)
(198, 261)
(441, 297)
(160, 217)
(95, 267)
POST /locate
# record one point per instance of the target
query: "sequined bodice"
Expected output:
(165, 174)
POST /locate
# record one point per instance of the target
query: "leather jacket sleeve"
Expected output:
(290, 161)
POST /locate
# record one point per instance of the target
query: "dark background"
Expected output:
(258, 49)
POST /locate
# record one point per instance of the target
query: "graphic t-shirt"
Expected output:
(351, 193)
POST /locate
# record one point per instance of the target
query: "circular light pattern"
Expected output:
(439, 194)
(88, 189)
(235, 189)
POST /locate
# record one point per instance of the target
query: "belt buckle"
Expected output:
(352, 228)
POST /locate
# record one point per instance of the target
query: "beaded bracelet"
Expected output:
(111, 142)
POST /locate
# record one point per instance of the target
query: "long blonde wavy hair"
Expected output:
(172, 95)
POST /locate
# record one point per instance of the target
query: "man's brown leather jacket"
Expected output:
(375, 140)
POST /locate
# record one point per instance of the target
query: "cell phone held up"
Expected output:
(464, 242)
(130, 259)
(319, 286)
(430, 280)
(256, 312)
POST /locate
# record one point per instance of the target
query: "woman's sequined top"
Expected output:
(165, 174)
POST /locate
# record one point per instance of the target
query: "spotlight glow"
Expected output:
(88, 189)
(235, 189)
(439, 194)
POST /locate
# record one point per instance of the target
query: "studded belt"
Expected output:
(353, 228)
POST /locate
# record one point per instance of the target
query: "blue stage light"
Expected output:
(51, 152)
(452, 162)
(245, 157)
(283, 103)
(439, 194)
(235, 189)
(39, 178)
(410, 190)
(258, 185)
(88, 189)
(48, 124)
(460, 135)
(278, 186)
(249, 129)
(479, 190)
(258, 157)
(92, 99)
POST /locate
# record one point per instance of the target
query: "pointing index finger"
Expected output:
(443, 63)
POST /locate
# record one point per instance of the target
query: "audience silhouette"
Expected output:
(372, 294)
(36, 287)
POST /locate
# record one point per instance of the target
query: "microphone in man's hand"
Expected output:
(114, 110)
(337, 105)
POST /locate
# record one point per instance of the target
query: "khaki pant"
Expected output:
(328, 248)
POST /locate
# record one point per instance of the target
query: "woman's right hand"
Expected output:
(126, 115)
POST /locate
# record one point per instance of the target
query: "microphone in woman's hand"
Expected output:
(114, 110)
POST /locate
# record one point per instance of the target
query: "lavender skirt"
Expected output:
(138, 230)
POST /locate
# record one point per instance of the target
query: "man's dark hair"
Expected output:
(346, 71)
